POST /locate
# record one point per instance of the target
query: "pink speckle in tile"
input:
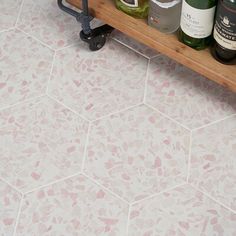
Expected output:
(8, 221)
(35, 176)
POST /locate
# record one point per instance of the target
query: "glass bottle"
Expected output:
(164, 15)
(136, 8)
(196, 23)
(224, 47)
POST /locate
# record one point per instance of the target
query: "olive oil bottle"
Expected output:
(196, 24)
(136, 8)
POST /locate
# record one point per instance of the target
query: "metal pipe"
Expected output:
(67, 9)
(85, 7)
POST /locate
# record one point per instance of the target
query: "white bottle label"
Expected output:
(197, 23)
(130, 3)
(223, 41)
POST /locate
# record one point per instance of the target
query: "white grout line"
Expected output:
(52, 183)
(105, 188)
(86, 146)
(213, 199)
(158, 55)
(12, 186)
(146, 81)
(75, 112)
(36, 39)
(70, 46)
(18, 215)
(189, 156)
(128, 221)
(19, 13)
(137, 51)
(22, 102)
(51, 70)
(168, 117)
(117, 112)
(214, 122)
(131, 48)
(6, 30)
(159, 193)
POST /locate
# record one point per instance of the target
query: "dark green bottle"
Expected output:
(197, 19)
(224, 47)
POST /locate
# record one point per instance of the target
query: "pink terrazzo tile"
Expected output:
(213, 161)
(98, 83)
(44, 20)
(41, 142)
(185, 95)
(137, 153)
(181, 212)
(73, 207)
(135, 45)
(9, 205)
(25, 67)
(9, 10)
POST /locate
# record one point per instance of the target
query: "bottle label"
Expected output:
(166, 5)
(130, 3)
(197, 23)
(225, 27)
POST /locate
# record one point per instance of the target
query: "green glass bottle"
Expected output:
(136, 8)
(196, 24)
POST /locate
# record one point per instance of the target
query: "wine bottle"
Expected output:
(224, 47)
(164, 15)
(196, 24)
(136, 8)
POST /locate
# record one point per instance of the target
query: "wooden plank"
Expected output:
(199, 61)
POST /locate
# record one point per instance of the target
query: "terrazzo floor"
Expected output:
(119, 142)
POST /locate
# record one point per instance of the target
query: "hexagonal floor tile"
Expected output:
(9, 205)
(182, 211)
(72, 207)
(9, 12)
(44, 20)
(135, 45)
(213, 163)
(137, 153)
(185, 95)
(25, 67)
(98, 83)
(41, 141)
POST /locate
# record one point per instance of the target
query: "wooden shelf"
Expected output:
(199, 61)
